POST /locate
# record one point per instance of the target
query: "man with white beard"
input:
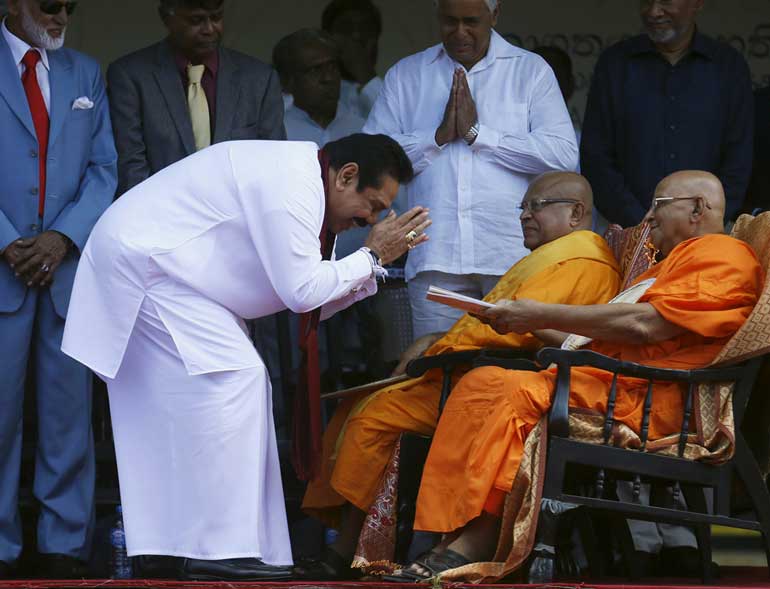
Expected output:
(58, 170)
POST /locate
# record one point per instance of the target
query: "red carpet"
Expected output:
(740, 579)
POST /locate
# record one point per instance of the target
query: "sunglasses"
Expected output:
(54, 7)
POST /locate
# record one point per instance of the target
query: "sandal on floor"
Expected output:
(434, 562)
(330, 567)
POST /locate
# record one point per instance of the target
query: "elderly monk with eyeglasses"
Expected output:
(704, 289)
(569, 265)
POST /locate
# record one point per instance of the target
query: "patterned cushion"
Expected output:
(629, 248)
(753, 338)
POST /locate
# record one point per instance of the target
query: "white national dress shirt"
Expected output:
(473, 191)
(19, 49)
(300, 127)
(238, 224)
(360, 100)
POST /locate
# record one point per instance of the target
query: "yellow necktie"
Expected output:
(199, 107)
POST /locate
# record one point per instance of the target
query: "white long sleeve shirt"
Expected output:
(300, 127)
(238, 224)
(359, 99)
(473, 191)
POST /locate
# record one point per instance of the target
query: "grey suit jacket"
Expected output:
(149, 112)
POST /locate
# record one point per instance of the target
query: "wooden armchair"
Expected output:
(708, 457)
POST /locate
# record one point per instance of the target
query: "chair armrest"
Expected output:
(420, 366)
(548, 356)
(558, 421)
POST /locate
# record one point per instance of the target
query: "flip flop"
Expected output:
(434, 562)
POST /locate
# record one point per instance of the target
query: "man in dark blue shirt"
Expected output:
(670, 99)
(759, 189)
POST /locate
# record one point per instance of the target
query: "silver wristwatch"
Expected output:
(472, 133)
(378, 271)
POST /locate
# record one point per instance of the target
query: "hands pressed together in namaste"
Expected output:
(392, 237)
(460, 113)
(34, 260)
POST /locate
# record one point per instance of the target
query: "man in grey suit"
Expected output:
(187, 91)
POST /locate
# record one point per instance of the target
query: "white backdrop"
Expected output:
(108, 29)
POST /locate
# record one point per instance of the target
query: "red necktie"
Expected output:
(39, 118)
(306, 434)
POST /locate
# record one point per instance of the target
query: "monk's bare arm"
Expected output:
(550, 337)
(417, 348)
(638, 323)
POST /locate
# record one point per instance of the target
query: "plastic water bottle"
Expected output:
(330, 536)
(121, 564)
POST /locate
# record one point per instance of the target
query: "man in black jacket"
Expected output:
(179, 95)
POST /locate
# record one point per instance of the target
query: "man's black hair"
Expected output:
(337, 7)
(167, 7)
(376, 156)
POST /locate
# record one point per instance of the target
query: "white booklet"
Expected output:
(458, 301)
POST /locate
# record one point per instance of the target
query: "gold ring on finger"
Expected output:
(411, 236)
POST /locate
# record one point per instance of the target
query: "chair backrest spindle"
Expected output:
(644, 432)
(686, 419)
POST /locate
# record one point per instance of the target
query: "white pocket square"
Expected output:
(82, 103)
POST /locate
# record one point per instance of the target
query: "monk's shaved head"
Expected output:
(555, 205)
(564, 185)
(690, 203)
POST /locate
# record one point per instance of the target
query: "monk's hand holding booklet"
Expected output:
(458, 301)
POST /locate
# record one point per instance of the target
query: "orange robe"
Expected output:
(708, 285)
(578, 268)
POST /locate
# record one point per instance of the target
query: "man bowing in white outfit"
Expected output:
(237, 231)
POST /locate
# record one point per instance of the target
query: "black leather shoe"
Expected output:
(61, 566)
(151, 566)
(330, 567)
(5, 570)
(232, 569)
(683, 561)
(641, 565)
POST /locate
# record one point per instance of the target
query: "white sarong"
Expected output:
(197, 456)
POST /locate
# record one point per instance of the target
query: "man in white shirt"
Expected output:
(479, 118)
(158, 309)
(307, 62)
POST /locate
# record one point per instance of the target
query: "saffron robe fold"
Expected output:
(708, 285)
(575, 269)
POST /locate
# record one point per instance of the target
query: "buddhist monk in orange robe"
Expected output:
(705, 287)
(568, 264)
